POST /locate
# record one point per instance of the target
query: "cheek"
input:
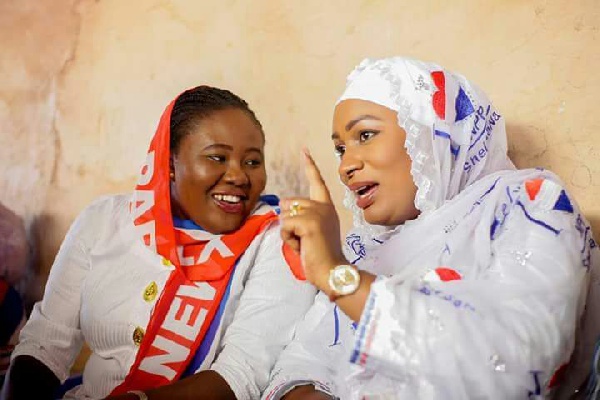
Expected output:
(395, 166)
(403, 179)
(201, 172)
(403, 176)
(391, 158)
(259, 180)
(192, 179)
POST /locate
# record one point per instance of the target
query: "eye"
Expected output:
(363, 136)
(254, 162)
(339, 150)
(216, 157)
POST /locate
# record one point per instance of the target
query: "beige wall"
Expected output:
(84, 83)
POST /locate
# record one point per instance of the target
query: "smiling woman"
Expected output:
(218, 176)
(181, 290)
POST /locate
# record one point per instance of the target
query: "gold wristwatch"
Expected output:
(343, 280)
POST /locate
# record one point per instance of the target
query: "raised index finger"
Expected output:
(317, 186)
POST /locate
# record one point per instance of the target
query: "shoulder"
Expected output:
(268, 243)
(109, 204)
(105, 214)
(536, 205)
(537, 193)
(272, 234)
(273, 257)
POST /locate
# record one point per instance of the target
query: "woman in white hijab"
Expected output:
(464, 278)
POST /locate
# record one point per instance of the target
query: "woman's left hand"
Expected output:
(312, 228)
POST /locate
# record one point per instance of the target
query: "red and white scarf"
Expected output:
(203, 266)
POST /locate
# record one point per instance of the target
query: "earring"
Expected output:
(172, 175)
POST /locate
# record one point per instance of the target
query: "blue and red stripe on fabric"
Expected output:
(206, 344)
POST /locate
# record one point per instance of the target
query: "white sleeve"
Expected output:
(271, 304)
(504, 333)
(310, 358)
(52, 334)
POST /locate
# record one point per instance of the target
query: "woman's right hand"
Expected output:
(311, 226)
(306, 392)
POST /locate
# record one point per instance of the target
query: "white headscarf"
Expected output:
(454, 135)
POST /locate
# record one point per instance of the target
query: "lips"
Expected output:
(229, 202)
(365, 193)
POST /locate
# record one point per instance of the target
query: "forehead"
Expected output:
(350, 105)
(351, 109)
(230, 126)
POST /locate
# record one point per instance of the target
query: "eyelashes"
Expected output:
(363, 137)
(222, 159)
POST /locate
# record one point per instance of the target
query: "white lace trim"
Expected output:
(418, 146)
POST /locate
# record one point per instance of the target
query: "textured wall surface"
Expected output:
(84, 83)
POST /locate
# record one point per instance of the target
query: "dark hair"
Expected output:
(195, 104)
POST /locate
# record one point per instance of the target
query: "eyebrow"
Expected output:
(222, 146)
(355, 121)
(218, 146)
(254, 149)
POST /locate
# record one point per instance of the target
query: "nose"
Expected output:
(235, 175)
(350, 163)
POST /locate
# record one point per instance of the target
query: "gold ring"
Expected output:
(294, 209)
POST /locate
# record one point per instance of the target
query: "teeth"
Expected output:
(360, 189)
(228, 198)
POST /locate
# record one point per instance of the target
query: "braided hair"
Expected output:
(195, 104)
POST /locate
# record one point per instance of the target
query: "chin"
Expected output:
(222, 225)
(384, 218)
(375, 219)
(229, 227)
(220, 222)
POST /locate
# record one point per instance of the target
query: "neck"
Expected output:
(177, 211)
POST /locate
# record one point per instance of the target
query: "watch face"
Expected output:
(344, 279)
